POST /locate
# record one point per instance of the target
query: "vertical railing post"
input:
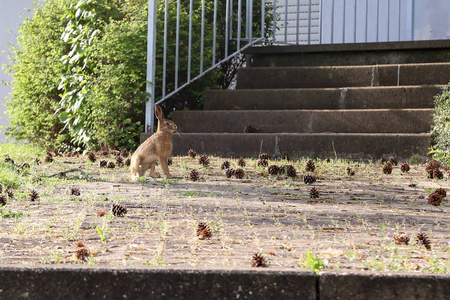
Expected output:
(151, 61)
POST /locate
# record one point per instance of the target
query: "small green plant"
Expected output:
(100, 232)
(313, 263)
(415, 159)
(4, 213)
(143, 179)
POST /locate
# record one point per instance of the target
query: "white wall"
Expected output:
(9, 20)
(349, 21)
(431, 19)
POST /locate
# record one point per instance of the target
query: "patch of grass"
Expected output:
(313, 263)
(4, 213)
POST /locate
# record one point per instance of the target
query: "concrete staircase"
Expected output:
(322, 101)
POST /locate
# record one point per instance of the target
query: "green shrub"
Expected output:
(79, 70)
(441, 127)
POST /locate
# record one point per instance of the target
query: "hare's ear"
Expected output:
(159, 113)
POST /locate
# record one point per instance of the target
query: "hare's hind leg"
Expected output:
(152, 166)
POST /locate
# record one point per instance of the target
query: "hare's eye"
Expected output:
(167, 122)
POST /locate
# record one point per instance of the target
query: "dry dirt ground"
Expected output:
(350, 226)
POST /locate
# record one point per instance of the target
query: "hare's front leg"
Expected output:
(164, 166)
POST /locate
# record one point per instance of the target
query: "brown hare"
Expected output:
(156, 147)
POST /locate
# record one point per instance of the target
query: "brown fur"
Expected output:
(156, 147)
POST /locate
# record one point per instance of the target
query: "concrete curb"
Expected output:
(79, 282)
(150, 283)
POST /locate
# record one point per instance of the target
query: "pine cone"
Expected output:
(91, 157)
(404, 168)
(393, 161)
(111, 165)
(241, 162)
(34, 195)
(75, 191)
(401, 239)
(49, 159)
(291, 172)
(435, 199)
(229, 172)
(37, 161)
(383, 160)
(350, 171)
(103, 163)
(387, 169)
(124, 153)
(309, 179)
(285, 156)
(169, 161)
(239, 173)
(264, 156)
(440, 191)
(258, 260)
(10, 193)
(310, 166)
(313, 193)
(193, 175)
(437, 174)
(203, 231)
(423, 239)
(119, 161)
(434, 164)
(263, 163)
(192, 153)
(83, 253)
(3, 200)
(119, 210)
(274, 170)
(203, 160)
(115, 152)
(225, 165)
(128, 162)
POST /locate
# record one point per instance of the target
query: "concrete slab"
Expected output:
(306, 121)
(327, 98)
(150, 283)
(343, 76)
(342, 145)
(351, 54)
(383, 286)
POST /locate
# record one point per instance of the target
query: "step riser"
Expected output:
(347, 121)
(349, 58)
(334, 77)
(297, 145)
(351, 54)
(343, 98)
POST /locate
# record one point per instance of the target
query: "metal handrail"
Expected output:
(247, 38)
(325, 21)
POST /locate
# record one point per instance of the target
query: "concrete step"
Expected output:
(343, 76)
(342, 145)
(306, 121)
(351, 54)
(331, 98)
